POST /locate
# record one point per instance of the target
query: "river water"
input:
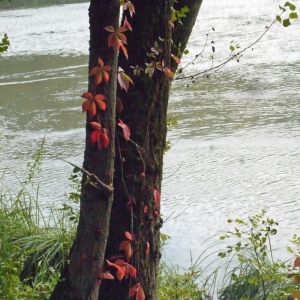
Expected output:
(235, 150)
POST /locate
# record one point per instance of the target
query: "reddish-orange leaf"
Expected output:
(105, 139)
(114, 41)
(105, 275)
(138, 291)
(177, 60)
(130, 236)
(126, 130)
(133, 289)
(147, 248)
(85, 105)
(90, 107)
(116, 37)
(100, 72)
(297, 262)
(124, 49)
(95, 135)
(95, 125)
(131, 270)
(168, 73)
(100, 101)
(119, 105)
(145, 209)
(140, 294)
(87, 96)
(130, 6)
(156, 195)
(109, 28)
(118, 267)
(127, 24)
(126, 247)
(100, 135)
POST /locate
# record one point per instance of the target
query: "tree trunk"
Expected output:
(80, 280)
(139, 163)
(135, 165)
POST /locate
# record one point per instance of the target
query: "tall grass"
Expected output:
(33, 244)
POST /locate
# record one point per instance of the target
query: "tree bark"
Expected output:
(134, 166)
(138, 164)
(80, 279)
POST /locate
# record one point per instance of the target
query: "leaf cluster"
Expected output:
(292, 15)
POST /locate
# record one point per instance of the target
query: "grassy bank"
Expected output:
(34, 245)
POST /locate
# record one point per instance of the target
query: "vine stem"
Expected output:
(230, 57)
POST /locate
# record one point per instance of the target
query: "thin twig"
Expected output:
(101, 184)
(230, 58)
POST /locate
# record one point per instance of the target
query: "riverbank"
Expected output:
(35, 243)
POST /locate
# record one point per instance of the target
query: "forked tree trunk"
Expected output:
(136, 165)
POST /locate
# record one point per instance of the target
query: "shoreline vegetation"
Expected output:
(34, 246)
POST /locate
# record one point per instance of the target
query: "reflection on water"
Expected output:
(235, 149)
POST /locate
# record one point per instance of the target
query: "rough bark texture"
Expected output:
(138, 165)
(80, 279)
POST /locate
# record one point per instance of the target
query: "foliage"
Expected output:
(292, 15)
(257, 274)
(33, 247)
(180, 286)
(4, 44)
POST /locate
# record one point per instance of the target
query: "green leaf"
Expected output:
(232, 48)
(278, 18)
(286, 22)
(290, 5)
(293, 15)
(186, 51)
(282, 8)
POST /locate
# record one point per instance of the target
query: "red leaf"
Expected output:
(133, 290)
(119, 105)
(131, 270)
(95, 125)
(177, 60)
(147, 248)
(110, 28)
(127, 24)
(140, 294)
(105, 275)
(95, 136)
(87, 96)
(100, 135)
(126, 247)
(145, 209)
(105, 139)
(126, 130)
(85, 105)
(99, 99)
(156, 195)
(114, 41)
(100, 72)
(122, 271)
(130, 236)
(138, 290)
(124, 50)
(130, 6)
